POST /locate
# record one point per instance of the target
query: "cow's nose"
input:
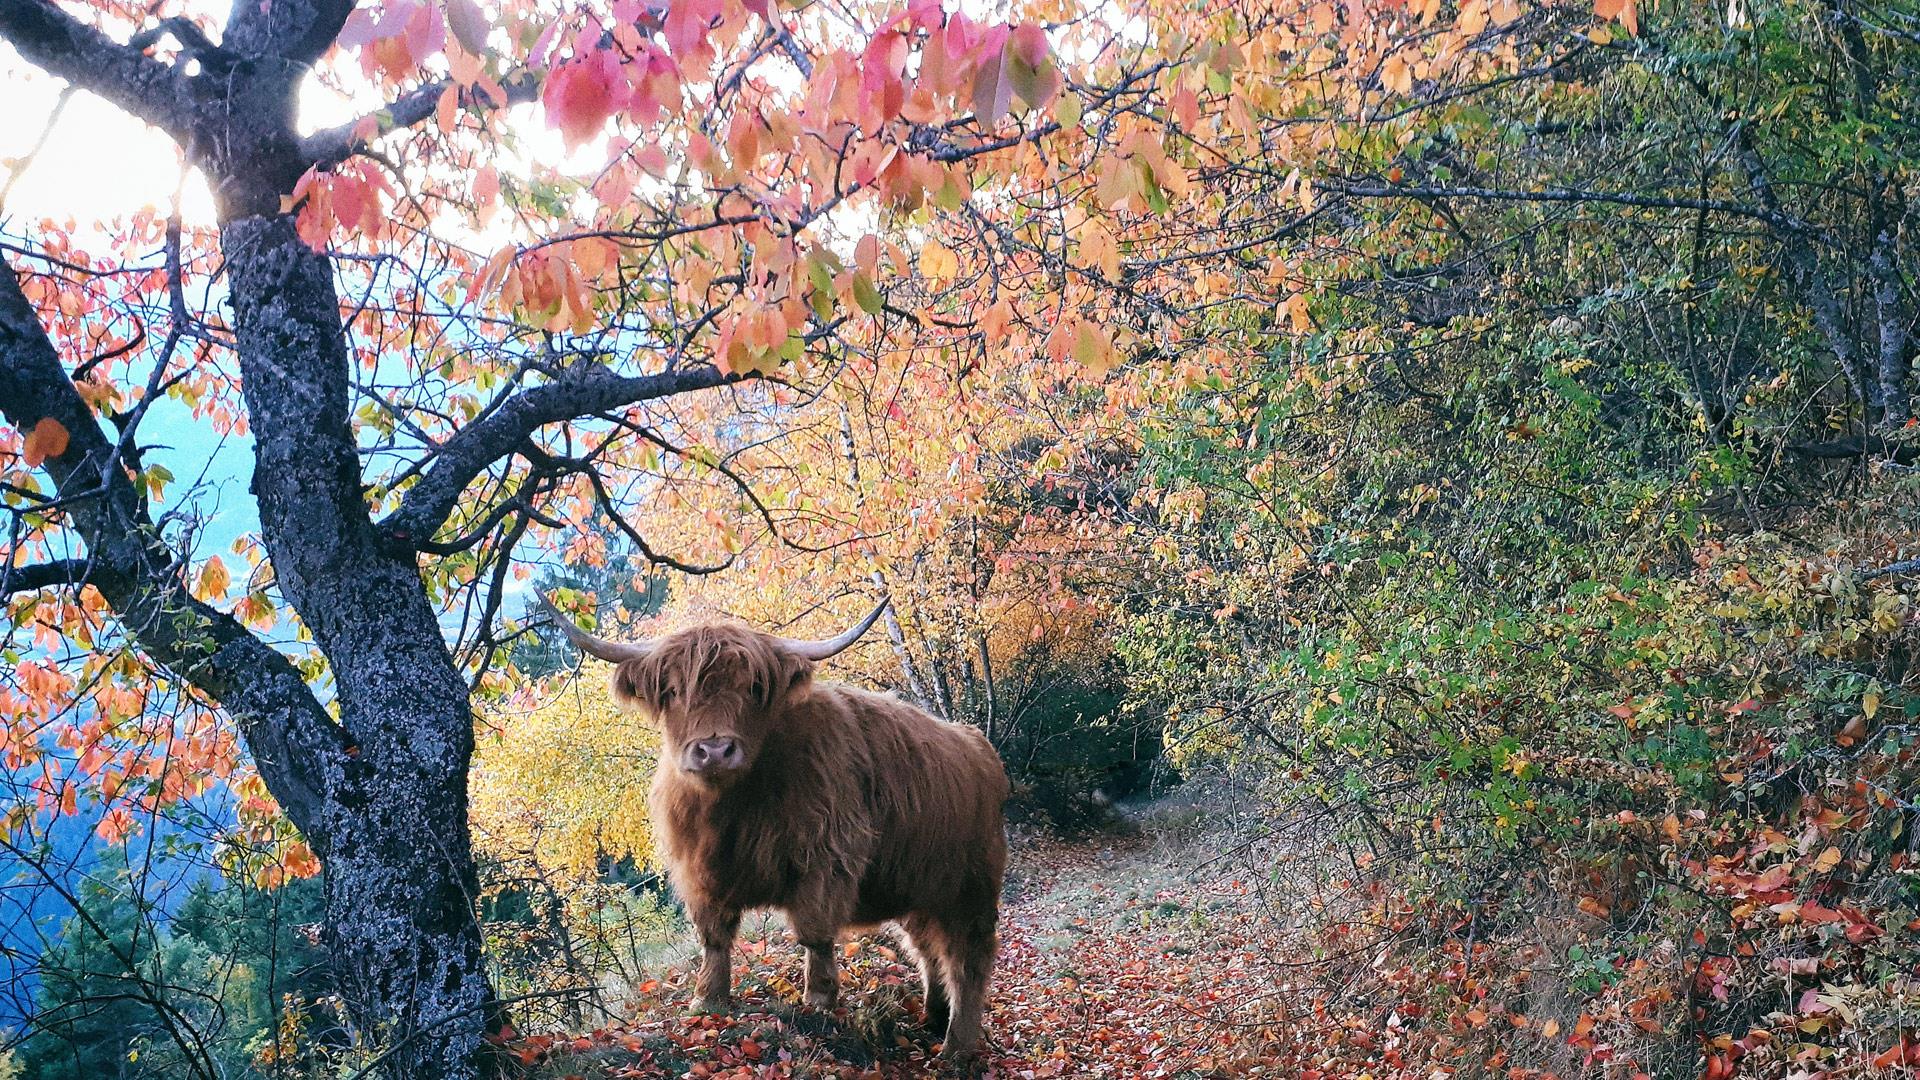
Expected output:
(714, 755)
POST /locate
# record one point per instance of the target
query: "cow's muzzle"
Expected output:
(713, 758)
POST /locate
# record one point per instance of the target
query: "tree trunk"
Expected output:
(406, 949)
(1816, 288)
(1890, 389)
(990, 693)
(898, 639)
(895, 636)
(400, 879)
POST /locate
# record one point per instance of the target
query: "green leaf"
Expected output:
(866, 295)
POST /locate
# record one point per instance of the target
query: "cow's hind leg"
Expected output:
(927, 946)
(716, 928)
(969, 964)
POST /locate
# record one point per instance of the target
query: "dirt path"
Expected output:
(1117, 962)
(1113, 963)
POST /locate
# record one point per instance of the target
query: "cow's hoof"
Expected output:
(823, 1002)
(712, 1006)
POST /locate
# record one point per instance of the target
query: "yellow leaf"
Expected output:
(938, 262)
(1870, 703)
(1092, 349)
(1827, 860)
(1295, 308)
(1397, 75)
(1067, 109)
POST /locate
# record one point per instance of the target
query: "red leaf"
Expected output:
(580, 95)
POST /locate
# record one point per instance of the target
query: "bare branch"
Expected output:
(44, 575)
(1779, 219)
(1904, 566)
(605, 499)
(25, 161)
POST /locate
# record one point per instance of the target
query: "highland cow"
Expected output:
(841, 807)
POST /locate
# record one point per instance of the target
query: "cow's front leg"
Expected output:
(716, 929)
(816, 920)
(823, 975)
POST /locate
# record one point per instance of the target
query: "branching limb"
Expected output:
(67, 48)
(740, 484)
(582, 390)
(296, 746)
(297, 33)
(607, 506)
(1904, 566)
(337, 144)
(1773, 216)
(20, 165)
(42, 575)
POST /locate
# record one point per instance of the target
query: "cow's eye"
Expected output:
(759, 690)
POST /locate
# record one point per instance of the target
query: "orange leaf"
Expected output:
(1626, 12)
(48, 439)
(995, 322)
(1397, 75)
(213, 581)
(300, 861)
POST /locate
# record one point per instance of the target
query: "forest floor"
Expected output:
(1118, 958)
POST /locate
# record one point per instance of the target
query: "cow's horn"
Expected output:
(820, 650)
(591, 645)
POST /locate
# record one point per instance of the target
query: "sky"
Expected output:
(97, 162)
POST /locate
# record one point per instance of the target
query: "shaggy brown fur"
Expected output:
(844, 809)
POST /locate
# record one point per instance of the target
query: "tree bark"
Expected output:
(1816, 289)
(990, 694)
(401, 881)
(1894, 324)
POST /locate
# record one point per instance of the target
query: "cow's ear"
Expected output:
(792, 675)
(633, 683)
